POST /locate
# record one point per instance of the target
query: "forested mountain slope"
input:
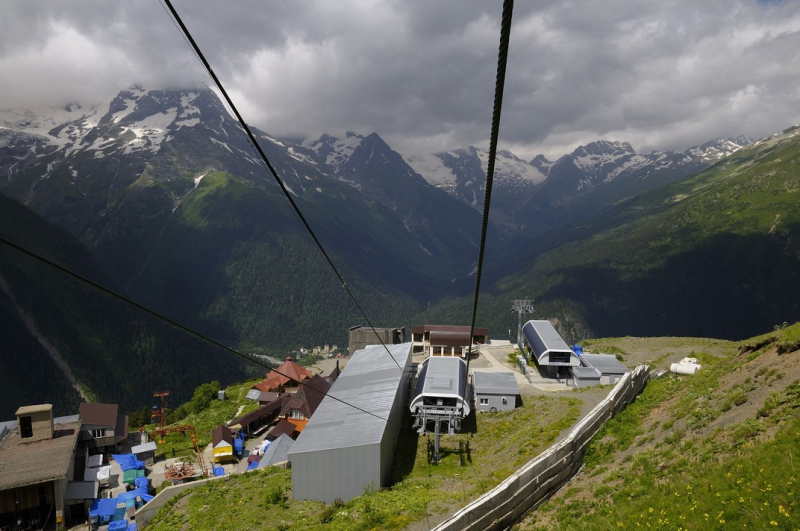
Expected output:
(116, 352)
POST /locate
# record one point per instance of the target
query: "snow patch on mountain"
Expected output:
(335, 152)
(191, 122)
(432, 168)
(151, 131)
(130, 106)
(186, 105)
(509, 166)
(223, 144)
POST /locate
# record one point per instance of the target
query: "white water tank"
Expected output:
(685, 366)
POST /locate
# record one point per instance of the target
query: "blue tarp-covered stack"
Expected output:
(103, 508)
(128, 462)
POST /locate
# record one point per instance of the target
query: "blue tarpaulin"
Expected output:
(128, 462)
(237, 445)
(141, 482)
(132, 494)
(253, 465)
(219, 471)
(121, 525)
(103, 507)
(132, 527)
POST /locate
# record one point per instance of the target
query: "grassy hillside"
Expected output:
(717, 449)
(422, 493)
(693, 452)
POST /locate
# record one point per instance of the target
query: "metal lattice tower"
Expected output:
(521, 306)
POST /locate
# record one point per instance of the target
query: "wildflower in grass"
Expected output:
(773, 522)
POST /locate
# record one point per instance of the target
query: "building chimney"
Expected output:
(35, 423)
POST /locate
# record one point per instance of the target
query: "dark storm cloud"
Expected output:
(662, 75)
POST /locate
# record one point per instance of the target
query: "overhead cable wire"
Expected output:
(271, 168)
(502, 60)
(178, 325)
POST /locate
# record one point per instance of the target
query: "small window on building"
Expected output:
(484, 401)
(296, 414)
(25, 427)
(505, 401)
(99, 433)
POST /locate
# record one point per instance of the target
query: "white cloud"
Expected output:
(662, 75)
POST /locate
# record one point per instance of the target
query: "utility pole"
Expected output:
(521, 306)
(160, 414)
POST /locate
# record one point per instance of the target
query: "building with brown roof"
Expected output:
(302, 405)
(253, 421)
(284, 377)
(447, 340)
(103, 427)
(222, 442)
(36, 466)
(360, 336)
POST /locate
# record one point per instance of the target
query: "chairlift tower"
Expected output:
(521, 306)
(160, 412)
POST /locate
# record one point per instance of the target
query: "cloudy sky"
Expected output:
(660, 74)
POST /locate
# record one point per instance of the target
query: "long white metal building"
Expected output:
(547, 346)
(343, 450)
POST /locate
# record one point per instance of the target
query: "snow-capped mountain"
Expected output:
(335, 152)
(384, 176)
(462, 173)
(716, 149)
(601, 173)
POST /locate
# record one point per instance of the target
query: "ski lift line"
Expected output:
(271, 168)
(502, 61)
(186, 329)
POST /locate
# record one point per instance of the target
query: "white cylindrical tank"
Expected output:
(685, 366)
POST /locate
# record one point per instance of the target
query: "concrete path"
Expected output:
(497, 352)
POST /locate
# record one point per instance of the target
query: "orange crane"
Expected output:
(161, 433)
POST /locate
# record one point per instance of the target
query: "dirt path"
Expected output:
(51, 350)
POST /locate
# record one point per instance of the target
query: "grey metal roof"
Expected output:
(442, 375)
(277, 451)
(545, 341)
(81, 490)
(67, 420)
(605, 363)
(495, 382)
(371, 380)
(142, 448)
(585, 372)
(253, 394)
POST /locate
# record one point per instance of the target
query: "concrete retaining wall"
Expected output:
(148, 511)
(535, 482)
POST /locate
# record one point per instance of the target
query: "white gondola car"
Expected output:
(442, 394)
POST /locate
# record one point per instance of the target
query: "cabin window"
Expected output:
(296, 414)
(505, 401)
(484, 401)
(99, 433)
(25, 427)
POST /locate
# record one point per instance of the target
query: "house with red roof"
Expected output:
(285, 377)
